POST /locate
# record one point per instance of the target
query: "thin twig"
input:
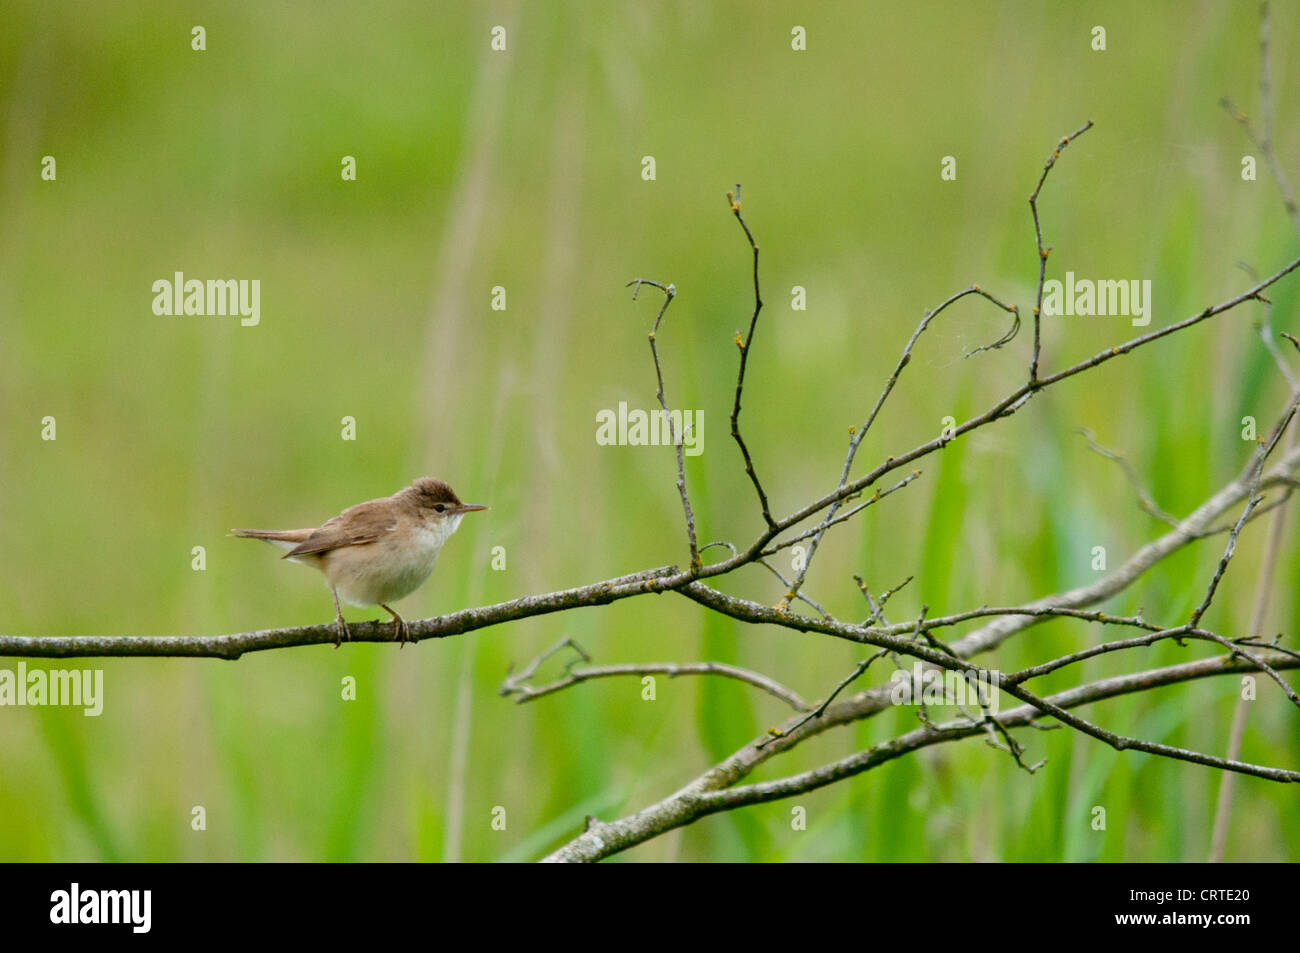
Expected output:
(1144, 498)
(670, 292)
(820, 710)
(518, 684)
(1044, 252)
(744, 345)
(878, 606)
(828, 522)
(1252, 500)
(857, 434)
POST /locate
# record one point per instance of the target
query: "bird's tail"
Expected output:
(281, 538)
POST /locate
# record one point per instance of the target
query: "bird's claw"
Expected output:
(401, 630)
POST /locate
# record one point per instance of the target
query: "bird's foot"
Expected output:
(343, 632)
(400, 629)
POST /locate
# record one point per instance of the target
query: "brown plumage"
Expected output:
(378, 551)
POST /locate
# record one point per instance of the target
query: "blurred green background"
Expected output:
(523, 169)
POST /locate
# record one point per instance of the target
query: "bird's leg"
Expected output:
(339, 621)
(403, 630)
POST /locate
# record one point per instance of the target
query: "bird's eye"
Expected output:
(440, 507)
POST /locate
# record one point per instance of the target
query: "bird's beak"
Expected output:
(470, 507)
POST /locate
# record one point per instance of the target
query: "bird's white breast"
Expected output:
(391, 568)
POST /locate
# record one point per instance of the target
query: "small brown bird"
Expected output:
(379, 551)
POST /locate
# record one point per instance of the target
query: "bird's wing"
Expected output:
(355, 526)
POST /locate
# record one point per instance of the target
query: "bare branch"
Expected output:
(1118, 579)
(1003, 408)
(945, 657)
(715, 790)
(1222, 811)
(857, 435)
(1179, 633)
(1252, 501)
(670, 292)
(518, 685)
(878, 606)
(825, 703)
(1144, 498)
(744, 346)
(818, 530)
(1009, 744)
(1264, 141)
(1044, 252)
(233, 646)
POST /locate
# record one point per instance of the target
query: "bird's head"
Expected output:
(438, 503)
